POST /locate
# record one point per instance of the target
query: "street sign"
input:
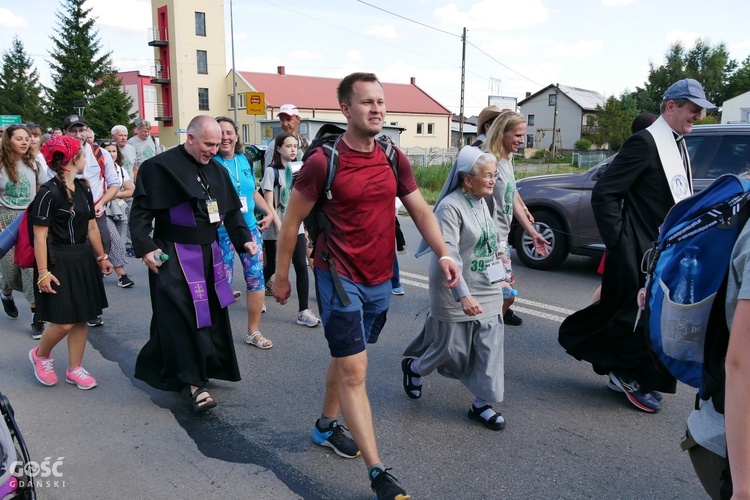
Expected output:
(6, 120)
(255, 103)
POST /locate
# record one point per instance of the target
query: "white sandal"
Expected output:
(258, 340)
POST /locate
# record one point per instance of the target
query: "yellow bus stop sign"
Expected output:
(255, 103)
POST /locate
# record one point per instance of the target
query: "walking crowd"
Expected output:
(187, 211)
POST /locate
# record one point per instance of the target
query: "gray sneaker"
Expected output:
(307, 318)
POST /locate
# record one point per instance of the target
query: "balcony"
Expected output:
(159, 73)
(163, 112)
(157, 37)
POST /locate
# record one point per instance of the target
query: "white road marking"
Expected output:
(518, 305)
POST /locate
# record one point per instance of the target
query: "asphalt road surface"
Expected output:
(567, 435)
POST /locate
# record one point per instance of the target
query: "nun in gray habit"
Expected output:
(463, 333)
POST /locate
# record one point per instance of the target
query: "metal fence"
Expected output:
(430, 157)
(588, 159)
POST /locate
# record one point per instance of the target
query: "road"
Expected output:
(567, 435)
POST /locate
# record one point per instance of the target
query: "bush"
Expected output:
(582, 145)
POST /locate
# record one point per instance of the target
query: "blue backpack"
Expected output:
(691, 339)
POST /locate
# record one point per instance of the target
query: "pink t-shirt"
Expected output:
(362, 242)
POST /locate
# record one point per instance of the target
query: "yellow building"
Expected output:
(189, 63)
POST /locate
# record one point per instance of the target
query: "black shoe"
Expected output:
(384, 486)
(98, 321)
(334, 438)
(37, 328)
(125, 281)
(510, 318)
(9, 306)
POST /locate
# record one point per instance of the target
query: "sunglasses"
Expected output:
(104, 144)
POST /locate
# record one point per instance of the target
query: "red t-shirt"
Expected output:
(362, 242)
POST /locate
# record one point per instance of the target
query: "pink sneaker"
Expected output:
(80, 377)
(43, 369)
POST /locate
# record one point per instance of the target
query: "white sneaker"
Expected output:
(307, 318)
(264, 308)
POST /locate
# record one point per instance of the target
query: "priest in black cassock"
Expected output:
(631, 199)
(187, 195)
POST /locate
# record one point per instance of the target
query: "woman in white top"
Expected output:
(20, 176)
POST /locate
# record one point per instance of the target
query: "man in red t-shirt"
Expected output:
(362, 248)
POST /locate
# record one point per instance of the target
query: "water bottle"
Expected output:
(509, 292)
(161, 257)
(689, 271)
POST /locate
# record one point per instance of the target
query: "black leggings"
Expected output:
(299, 261)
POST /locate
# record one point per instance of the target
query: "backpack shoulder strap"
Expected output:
(99, 158)
(390, 152)
(276, 182)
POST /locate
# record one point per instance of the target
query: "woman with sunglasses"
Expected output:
(20, 176)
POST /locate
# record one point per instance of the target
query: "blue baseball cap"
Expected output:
(689, 89)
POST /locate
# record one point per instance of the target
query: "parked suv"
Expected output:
(561, 204)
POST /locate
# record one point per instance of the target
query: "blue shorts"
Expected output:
(252, 266)
(349, 328)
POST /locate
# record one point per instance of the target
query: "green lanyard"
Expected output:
(236, 174)
(486, 233)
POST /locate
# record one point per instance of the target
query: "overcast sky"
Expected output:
(514, 46)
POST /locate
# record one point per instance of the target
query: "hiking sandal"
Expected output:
(258, 340)
(203, 404)
(493, 421)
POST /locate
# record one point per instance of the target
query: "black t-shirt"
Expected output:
(67, 226)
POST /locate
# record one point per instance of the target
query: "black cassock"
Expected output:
(630, 201)
(178, 351)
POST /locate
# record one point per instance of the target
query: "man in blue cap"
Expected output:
(631, 199)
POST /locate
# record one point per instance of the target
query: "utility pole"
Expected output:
(554, 124)
(234, 70)
(460, 140)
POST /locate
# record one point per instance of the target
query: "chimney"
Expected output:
(281, 70)
(528, 94)
(413, 80)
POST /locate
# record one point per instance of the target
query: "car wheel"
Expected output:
(550, 227)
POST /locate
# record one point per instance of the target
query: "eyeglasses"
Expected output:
(104, 144)
(488, 176)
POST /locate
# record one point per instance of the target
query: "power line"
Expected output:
(451, 34)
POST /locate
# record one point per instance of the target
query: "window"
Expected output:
(203, 99)
(530, 140)
(149, 93)
(245, 133)
(530, 121)
(202, 57)
(200, 24)
(420, 128)
(240, 100)
(430, 129)
(552, 100)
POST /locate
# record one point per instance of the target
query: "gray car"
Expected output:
(561, 204)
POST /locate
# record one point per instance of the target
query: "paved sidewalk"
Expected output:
(115, 441)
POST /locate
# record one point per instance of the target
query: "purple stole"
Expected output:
(190, 257)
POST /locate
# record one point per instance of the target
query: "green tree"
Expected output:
(739, 81)
(612, 121)
(708, 64)
(76, 62)
(20, 91)
(109, 105)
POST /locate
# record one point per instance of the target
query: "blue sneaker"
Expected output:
(399, 290)
(654, 394)
(336, 439)
(641, 400)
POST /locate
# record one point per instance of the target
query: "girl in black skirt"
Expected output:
(68, 275)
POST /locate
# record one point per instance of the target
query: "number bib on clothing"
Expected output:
(213, 210)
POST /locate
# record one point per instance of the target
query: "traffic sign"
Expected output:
(6, 120)
(255, 103)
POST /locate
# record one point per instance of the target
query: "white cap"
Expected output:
(288, 109)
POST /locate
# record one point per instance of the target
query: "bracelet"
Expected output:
(102, 257)
(40, 280)
(446, 257)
